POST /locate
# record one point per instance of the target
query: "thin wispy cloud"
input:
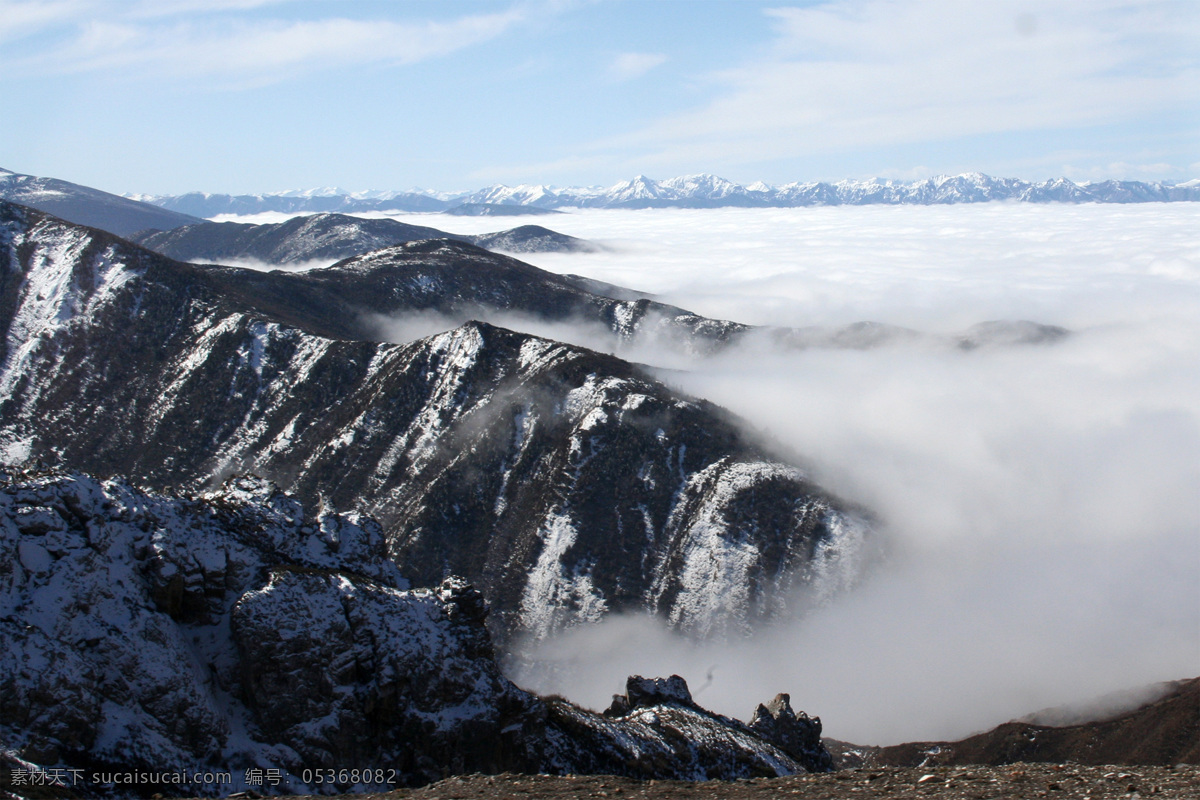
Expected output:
(627, 66)
(182, 43)
(23, 18)
(875, 73)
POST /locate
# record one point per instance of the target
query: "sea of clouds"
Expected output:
(1038, 505)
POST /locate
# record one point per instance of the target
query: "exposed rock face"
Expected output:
(564, 483)
(233, 630)
(331, 237)
(346, 672)
(643, 692)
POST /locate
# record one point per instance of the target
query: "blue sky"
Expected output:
(167, 96)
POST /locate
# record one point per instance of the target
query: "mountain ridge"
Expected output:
(1164, 730)
(84, 205)
(332, 236)
(698, 191)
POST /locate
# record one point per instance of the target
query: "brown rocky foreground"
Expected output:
(1054, 781)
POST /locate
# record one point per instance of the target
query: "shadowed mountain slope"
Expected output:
(87, 206)
(1164, 731)
(328, 237)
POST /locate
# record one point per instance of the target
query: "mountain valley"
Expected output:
(165, 425)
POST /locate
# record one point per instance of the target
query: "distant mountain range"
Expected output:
(691, 191)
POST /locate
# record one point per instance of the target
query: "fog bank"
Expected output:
(1038, 504)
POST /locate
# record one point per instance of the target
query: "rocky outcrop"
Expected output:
(798, 735)
(564, 483)
(233, 630)
(657, 730)
(230, 630)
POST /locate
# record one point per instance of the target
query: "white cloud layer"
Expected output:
(1038, 506)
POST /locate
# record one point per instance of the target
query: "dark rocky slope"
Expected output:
(233, 630)
(87, 206)
(566, 484)
(1165, 732)
(330, 237)
(532, 239)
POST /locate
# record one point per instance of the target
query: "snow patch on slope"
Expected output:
(555, 598)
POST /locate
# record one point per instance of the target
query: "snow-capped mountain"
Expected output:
(203, 204)
(564, 483)
(332, 236)
(238, 630)
(704, 191)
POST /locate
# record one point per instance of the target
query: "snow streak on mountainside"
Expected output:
(235, 630)
(566, 484)
(699, 191)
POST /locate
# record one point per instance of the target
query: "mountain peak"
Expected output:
(697, 190)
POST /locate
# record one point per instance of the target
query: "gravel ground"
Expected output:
(1058, 782)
